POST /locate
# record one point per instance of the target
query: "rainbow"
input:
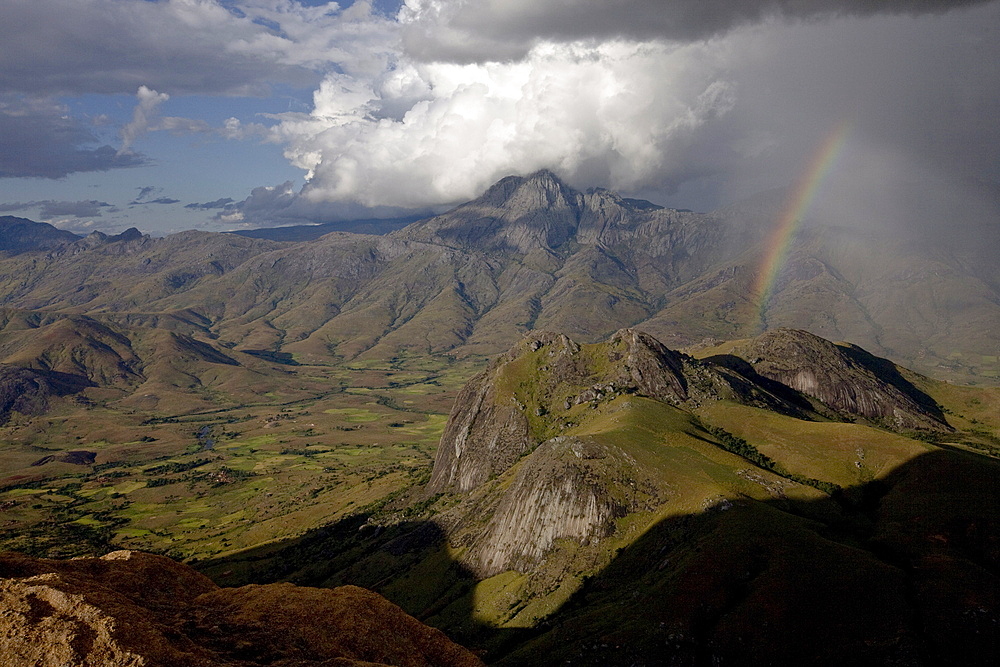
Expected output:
(795, 207)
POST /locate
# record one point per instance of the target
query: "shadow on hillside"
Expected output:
(27, 391)
(889, 372)
(409, 563)
(900, 571)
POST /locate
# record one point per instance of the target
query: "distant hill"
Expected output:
(533, 253)
(22, 235)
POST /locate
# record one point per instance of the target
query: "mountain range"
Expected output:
(531, 253)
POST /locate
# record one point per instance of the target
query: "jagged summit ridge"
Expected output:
(844, 377)
(491, 426)
(532, 252)
(528, 394)
(528, 213)
(527, 438)
(540, 190)
(508, 409)
(517, 214)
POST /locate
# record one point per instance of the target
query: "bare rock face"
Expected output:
(130, 609)
(568, 488)
(847, 379)
(525, 396)
(509, 421)
(500, 414)
(517, 214)
(645, 364)
(514, 423)
(486, 434)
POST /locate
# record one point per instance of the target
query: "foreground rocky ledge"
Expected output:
(135, 609)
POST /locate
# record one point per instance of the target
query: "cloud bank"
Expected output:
(39, 139)
(615, 114)
(49, 209)
(704, 101)
(65, 47)
(55, 48)
(210, 205)
(483, 30)
(279, 205)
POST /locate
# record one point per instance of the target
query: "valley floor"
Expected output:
(347, 439)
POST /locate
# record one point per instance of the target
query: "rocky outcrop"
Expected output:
(645, 366)
(516, 423)
(487, 430)
(505, 412)
(130, 609)
(846, 379)
(526, 396)
(518, 214)
(568, 488)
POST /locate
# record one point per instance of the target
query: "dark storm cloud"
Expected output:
(113, 46)
(210, 205)
(38, 139)
(695, 124)
(145, 192)
(49, 209)
(278, 205)
(505, 29)
(921, 99)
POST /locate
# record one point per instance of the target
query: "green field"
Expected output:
(201, 483)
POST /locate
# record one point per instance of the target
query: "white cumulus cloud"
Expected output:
(142, 116)
(620, 114)
(610, 104)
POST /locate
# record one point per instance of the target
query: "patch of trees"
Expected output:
(742, 448)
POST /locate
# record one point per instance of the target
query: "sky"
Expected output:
(168, 115)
